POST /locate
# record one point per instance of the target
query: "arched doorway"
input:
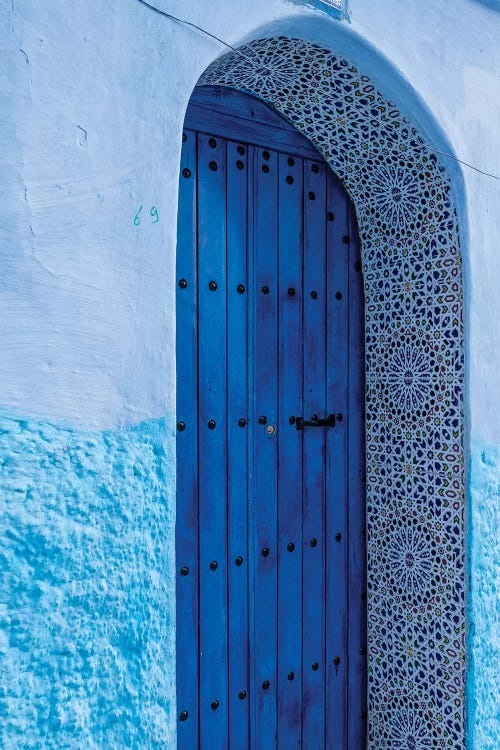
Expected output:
(414, 364)
(271, 622)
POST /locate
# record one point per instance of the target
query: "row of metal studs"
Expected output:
(265, 686)
(212, 285)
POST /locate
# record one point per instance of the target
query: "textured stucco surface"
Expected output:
(86, 588)
(484, 692)
(93, 95)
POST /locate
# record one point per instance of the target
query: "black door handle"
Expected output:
(300, 422)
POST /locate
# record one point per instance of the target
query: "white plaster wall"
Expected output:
(93, 94)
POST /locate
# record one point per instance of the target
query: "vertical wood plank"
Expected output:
(313, 615)
(187, 453)
(265, 294)
(357, 646)
(290, 455)
(253, 550)
(237, 457)
(337, 459)
(212, 360)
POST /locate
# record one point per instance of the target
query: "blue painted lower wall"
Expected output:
(483, 703)
(87, 594)
(87, 590)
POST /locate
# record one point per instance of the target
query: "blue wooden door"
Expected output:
(271, 625)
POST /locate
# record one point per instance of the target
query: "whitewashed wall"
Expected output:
(93, 94)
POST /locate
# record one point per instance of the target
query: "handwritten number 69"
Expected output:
(153, 213)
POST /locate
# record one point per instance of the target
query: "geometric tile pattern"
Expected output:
(414, 379)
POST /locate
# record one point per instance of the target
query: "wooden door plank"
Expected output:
(356, 575)
(265, 295)
(290, 455)
(336, 517)
(314, 441)
(187, 452)
(212, 442)
(237, 457)
(253, 550)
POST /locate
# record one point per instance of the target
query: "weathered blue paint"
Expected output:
(277, 657)
(87, 631)
(484, 622)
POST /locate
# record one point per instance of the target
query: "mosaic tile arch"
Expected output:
(415, 379)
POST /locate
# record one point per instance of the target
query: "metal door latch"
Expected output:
(300, 422)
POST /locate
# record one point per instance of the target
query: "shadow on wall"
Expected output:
(493, 4)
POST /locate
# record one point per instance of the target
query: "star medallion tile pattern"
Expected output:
(414, 379)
